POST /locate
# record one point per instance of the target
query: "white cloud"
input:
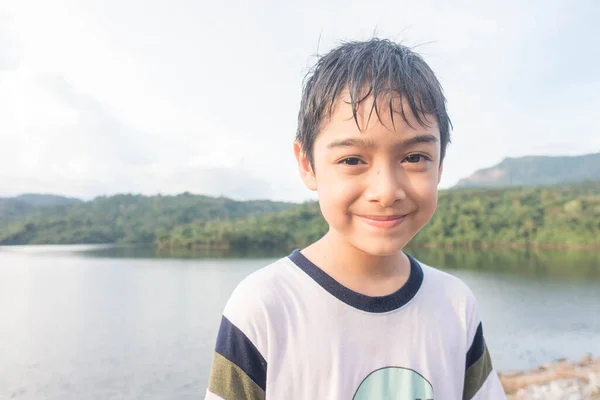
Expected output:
(147, 96)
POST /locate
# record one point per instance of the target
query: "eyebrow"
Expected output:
(368, 143)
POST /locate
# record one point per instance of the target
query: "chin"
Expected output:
(381, 247)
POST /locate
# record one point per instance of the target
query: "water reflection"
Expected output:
(576, 264)
(572, 264)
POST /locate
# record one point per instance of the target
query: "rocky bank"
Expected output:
(561, 380)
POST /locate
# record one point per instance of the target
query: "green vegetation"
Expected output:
(118, 219)
(296, 227)
(561, 216)
(536, 170)
(44, 200)
(17, 208)
(12, 210)
(566, 216)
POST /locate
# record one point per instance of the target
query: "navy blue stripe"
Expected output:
(363, 302)
(476, 350)
(235, 346)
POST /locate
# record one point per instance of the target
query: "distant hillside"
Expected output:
(13, 210)
(19, 207)
(551, 216)
(118, 219)
(44, 200)
(536, 170)
(544, 216)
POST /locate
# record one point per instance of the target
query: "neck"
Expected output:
(356, 269)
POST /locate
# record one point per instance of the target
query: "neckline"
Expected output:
(372, 304)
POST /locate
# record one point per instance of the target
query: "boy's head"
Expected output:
(372, 134)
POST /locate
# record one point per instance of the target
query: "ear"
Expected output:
(306, 171)
(440, 170)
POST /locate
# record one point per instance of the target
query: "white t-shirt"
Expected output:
(290, 331)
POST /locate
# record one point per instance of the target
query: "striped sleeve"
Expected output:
(481, 380)
(239, 366)
(238, 370)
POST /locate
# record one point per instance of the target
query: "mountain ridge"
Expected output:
(536, 171)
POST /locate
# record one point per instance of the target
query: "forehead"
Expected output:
(365, 114)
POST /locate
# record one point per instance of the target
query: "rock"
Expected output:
(561, 380)
(586, 359)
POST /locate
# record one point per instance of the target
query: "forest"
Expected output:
(548, 216)
(564, 216)
(121, 218)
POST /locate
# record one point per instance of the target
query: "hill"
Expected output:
(15, 208)
(536, 170)
(543, 216)
(45, 200)
(557, 216)
(118, 219)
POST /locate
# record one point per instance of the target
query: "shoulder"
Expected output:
(262, 286)
(249, 311)
(445, 284)
(256, 298)
(449, 293)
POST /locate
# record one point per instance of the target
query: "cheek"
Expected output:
(336, 196)
(426, 194)
(336, 189)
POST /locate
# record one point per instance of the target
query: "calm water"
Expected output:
(83, 322)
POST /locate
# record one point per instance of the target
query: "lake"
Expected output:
(103, 322)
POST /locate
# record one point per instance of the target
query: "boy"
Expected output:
(352, 316)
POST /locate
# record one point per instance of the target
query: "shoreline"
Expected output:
(225, 246)
(561, 379)
(466, 245)
(508, 245)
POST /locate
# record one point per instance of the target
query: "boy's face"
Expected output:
(377, 188)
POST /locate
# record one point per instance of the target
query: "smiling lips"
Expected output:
(381, 221)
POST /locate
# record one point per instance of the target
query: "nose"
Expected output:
(385, 186)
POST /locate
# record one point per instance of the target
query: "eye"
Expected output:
(416, 158)
(352, 161)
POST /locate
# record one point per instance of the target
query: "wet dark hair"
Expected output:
(377, 68)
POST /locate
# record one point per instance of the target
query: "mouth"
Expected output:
(383, 221)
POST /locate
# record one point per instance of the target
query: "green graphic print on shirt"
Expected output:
(394, 383)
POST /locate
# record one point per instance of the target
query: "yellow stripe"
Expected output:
(477, 374)
(228, 381)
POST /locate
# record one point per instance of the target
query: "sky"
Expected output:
(146, 96)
